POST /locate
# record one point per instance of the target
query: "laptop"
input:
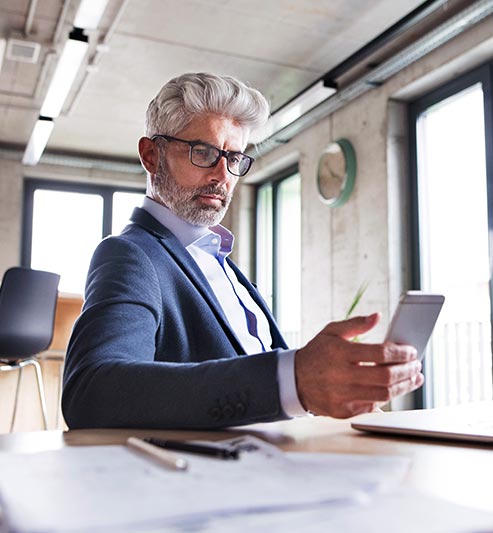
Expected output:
(469, 422)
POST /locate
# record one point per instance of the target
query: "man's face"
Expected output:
(200, 196)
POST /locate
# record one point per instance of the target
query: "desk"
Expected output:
(460, 473)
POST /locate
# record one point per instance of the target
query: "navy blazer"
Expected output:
(153, 348)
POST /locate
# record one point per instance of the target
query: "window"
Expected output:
(451, 132)
(278, 250)
(123, 205)
(64, 222)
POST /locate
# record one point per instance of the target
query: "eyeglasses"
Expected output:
(206, 155)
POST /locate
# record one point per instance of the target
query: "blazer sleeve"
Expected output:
(139, 358)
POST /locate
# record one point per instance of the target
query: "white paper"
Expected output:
(401, 511)
(91, 488)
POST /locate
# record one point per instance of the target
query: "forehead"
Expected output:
(217, 130)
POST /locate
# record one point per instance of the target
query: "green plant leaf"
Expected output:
(359, 294)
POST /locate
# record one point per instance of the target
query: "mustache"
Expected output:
(210, 189)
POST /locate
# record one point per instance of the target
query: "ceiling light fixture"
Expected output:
(441, 34)
(68, 66)
(294, 109)
(39, 138)
(3, 44)
(89, 14)
(74, 51)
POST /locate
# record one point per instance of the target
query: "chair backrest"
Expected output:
(27, 311)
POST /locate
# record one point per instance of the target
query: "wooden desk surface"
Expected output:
(461, 473)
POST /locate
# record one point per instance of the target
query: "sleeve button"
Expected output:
(228, 411)
(215, 413)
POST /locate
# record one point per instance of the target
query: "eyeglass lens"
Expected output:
(204, 155)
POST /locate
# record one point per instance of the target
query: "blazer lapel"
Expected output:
(188, 266)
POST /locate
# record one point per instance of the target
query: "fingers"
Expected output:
(352, 327)
(383, 374)
(384, 394)
(387, 353)
(346, 402)
(340, 378)
(359, 352)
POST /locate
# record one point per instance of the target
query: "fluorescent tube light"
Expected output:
(70, 61)
(295, 109)
(38, 141)
(463, 21)
(3, 44)
(89, 14)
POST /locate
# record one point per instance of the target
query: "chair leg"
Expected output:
(39, 377)
(59, 404)
(16, 399)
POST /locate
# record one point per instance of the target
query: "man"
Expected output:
(172, 334)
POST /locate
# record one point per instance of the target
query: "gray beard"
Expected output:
(181, 200)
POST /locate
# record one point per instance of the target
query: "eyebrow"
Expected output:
(214, 146)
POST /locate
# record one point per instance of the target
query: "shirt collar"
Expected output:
(188, 233)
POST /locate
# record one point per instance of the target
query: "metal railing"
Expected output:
(292, 338)
(459, 363)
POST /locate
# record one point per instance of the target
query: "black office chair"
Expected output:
(27, 317)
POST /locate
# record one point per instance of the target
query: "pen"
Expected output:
(221, 452)
(167, 459)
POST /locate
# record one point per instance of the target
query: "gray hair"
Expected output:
(192, 94)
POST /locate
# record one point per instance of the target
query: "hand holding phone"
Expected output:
(414, 319)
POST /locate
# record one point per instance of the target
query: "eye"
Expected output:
(236, 159)
(205, 152)
(201, 150)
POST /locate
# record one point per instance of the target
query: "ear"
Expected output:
(149, 154)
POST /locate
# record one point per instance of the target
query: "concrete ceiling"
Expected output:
(278, 46)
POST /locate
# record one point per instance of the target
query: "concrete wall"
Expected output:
(367, 239)
(11, 186)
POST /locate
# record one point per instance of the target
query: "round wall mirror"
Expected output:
(336, 173)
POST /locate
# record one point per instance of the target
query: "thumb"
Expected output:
(347, 329)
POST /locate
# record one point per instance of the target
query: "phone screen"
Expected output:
(414, 319)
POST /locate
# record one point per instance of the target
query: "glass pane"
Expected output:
(123, 205)
(453, 222)
(67, 227)
(288, 272)
(264, 242)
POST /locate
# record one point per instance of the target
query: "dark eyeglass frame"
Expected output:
(221, 153)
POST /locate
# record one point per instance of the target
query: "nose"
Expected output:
(220, 173)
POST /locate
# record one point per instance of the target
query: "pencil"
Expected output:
(166, 458)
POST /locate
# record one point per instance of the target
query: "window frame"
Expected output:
(275, 181)
(484, 75)
(32, 184)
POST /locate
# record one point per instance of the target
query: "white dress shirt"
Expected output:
(209, 247)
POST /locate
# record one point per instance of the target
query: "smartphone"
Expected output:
(414, 319)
